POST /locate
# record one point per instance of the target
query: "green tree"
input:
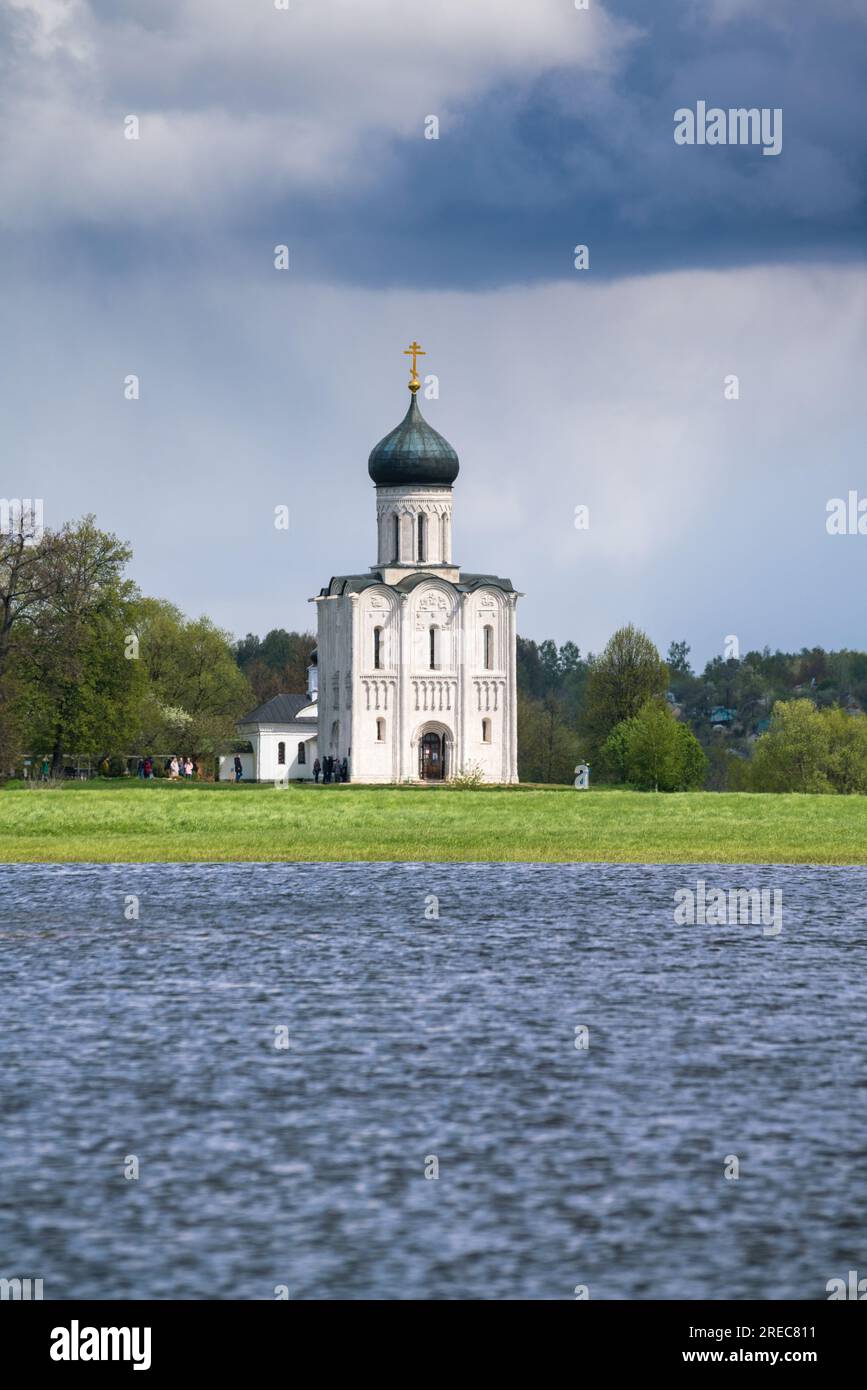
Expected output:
(846, 766)
(793, 755)
(622, 679)
(78, 687)
(196, 693)
(547, 743)
(654, 751)
(276, 664)
(677, 659)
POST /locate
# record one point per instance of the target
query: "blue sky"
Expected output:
(557, 387)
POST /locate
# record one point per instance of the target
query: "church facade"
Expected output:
(415, 663)
(416, 657)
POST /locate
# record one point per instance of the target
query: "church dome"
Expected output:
(413, 454)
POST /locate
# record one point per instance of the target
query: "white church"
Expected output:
(414, 675)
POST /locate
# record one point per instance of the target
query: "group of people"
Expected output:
(174, 766)
(331, 770)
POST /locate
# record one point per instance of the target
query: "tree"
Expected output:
(793, 755)
(677, 659)
(77, 688)
(811, 750)
(846, 766)
(654, 751)
(547, 744)
(196, 692)
(627, 674)
(278, 663)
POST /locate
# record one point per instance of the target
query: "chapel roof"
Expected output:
(281, 709)
(356, 583)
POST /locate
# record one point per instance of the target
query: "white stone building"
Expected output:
(416, 659)
(282, 735)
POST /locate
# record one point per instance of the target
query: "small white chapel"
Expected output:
(413, 679)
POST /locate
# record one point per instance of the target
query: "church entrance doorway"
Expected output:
(432, 756)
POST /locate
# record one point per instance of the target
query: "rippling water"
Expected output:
(411, 1037)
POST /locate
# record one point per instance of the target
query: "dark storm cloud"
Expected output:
(249, 141)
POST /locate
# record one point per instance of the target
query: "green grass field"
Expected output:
(119, 822)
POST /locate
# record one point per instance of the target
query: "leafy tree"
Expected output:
(677, 659)
(811, 750)
(196, 693)
(654, 751)
(547, 744)
(77, 687)
(276, 664)
(846, 766)
(793, 755)
(627, 674)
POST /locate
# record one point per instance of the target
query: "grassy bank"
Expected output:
(116, 822)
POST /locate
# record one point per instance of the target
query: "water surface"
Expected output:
(409, 1037)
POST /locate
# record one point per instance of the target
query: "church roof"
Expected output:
(280, 709)
(356, 583)
(413, 454)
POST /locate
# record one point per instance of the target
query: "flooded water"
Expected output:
(283, 1052)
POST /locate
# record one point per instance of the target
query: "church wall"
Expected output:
(375, 753)
(435, 504)
(335, 658)
(264, 765)
(381, 711)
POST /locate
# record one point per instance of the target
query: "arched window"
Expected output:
(281, 754)
(396, 537)
(302, 753)
(486, 731)
(432, 637)
(489, 648)
(377, 649)
(380, 731)
(421, 537)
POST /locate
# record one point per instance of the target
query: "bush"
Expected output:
(811, 750)
(468, 780)
(655, 752)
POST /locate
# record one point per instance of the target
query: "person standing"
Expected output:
(188, 766)
(239, 769)
(173, 767)
(317, 768)
(148, 768)
(344, 769)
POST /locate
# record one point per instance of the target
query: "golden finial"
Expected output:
(414, 350)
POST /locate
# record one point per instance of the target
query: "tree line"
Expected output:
(90, 666)
(767, 721)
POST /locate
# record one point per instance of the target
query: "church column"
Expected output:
(355, 667)
(402, 712)
(464, 683)
(511, 731)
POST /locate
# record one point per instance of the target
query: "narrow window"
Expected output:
(421, 537)
(486, 731)
(489, 648)
(433, 648)
(396, 538)
(302, 753)
(377, 649)
(281, 754)
(380, 730)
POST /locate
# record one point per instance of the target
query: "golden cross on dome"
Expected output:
(414, 350)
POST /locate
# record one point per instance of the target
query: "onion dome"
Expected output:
(413, 454)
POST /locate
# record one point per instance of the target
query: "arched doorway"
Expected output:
(432, 757)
